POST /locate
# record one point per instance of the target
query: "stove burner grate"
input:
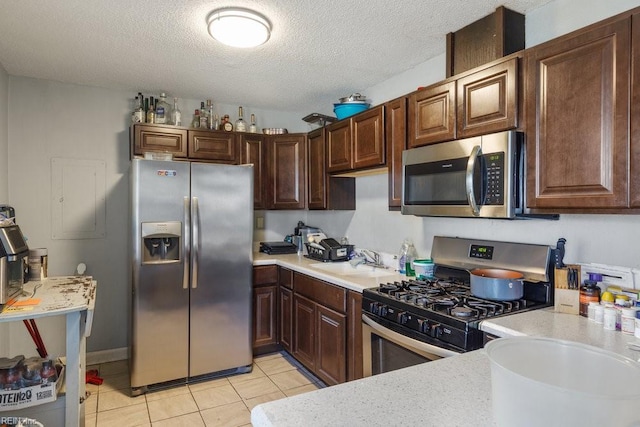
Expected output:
(463, 312)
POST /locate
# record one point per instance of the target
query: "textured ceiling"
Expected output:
(319, 50)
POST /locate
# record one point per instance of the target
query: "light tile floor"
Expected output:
(223, 401)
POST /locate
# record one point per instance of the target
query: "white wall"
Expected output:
(4, 161)
(49, 119)
(55, 120)
(610, 239)
(4, 136)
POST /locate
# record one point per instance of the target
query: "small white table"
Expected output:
(74, 297)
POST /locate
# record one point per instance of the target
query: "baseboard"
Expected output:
(104, 356)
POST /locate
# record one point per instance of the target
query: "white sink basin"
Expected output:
(346, 269)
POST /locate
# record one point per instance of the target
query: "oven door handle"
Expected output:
(406, 341)
(471, 165)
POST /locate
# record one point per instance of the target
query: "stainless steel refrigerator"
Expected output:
(192, 236)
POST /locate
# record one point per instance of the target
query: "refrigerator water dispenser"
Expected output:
(161, 242)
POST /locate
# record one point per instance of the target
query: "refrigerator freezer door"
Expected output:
(220, 331)
(160, 302)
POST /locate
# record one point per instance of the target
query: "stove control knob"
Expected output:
(382, 311)
(423, 326)
(435, 330)
(402, 317)
(373, 307)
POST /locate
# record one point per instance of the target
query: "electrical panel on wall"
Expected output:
(78, 205)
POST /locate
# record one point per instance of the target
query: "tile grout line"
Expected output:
(295, 366)
(197, 406)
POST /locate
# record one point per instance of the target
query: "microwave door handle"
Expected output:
(186, 239)
(471, 165)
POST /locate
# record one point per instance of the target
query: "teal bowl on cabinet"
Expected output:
(346, 110)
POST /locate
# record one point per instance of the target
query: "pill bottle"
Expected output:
(588, 292)
(599, 314)
(610, 314)
(591, 310)
(628, 322)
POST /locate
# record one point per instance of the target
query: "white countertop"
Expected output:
(450, 392)
(304, 265)
(547, 323)
(454, 391)
(52, 296)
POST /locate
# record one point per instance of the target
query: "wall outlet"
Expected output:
(260, 223)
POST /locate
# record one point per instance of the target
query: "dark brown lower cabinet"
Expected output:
(286, 319)
(316, 322)
(331, 351)
(320, 328)
(265, 329)
(265, 309)
(304, 331)
(354, 332)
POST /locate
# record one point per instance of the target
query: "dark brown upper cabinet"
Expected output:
(325, 191)
(432, 114)
(158, 138)
(219, 146)
(478, 102)
(396, 140)
(286, 184)
(488, 100)
(253, 151)
(357, 142)
(577, 103)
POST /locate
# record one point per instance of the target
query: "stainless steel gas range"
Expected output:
(413, 321)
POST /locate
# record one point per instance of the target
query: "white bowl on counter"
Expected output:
(550, 382)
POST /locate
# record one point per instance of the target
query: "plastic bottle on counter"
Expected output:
(628, 322)
(591, 310)
(412, 255)
(589, 292)
(610, 314)
(402, 257)
(599, 314)
(622, 302)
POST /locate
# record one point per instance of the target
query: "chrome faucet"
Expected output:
(367, 257)
(373, 256)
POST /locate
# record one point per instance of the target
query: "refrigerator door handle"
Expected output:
(195, 217)
(186, 243)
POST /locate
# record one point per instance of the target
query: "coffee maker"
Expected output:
(14, 262)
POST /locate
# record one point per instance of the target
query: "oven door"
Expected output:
(385, 350)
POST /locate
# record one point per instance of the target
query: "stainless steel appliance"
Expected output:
(14, 255)
(473, 177)
(192, 235)
(414, 321)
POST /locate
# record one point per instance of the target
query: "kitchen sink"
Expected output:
(346, 269)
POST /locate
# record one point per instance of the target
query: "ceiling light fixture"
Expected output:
(238, 27)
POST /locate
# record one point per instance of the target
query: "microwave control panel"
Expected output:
(495, 178)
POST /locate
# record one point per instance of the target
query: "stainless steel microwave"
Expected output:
(473, 177)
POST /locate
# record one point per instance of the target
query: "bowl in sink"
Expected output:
(346, 269)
